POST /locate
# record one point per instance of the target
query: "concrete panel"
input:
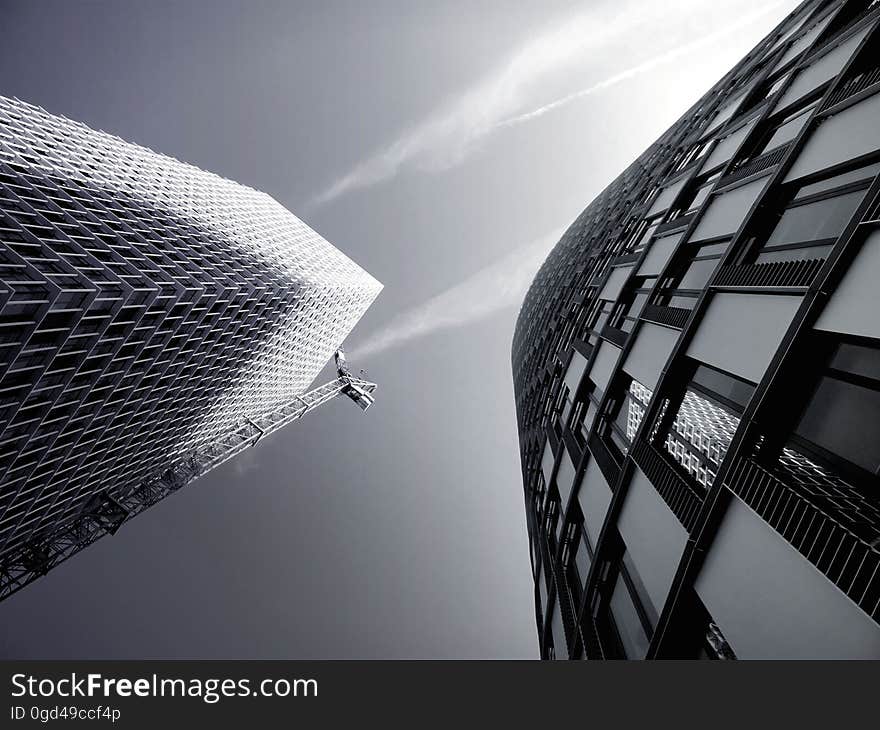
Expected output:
(740, 332)
(855, 305)
(649, 353)
(654, 537)
(771, 603)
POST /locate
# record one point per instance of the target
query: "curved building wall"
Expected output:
(697, 373)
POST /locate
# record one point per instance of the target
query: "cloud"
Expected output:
(454, 130)
(447, 136)
(490, 290)
(645, 66)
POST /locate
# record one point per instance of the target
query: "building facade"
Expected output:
(149, 312)
(697, 373)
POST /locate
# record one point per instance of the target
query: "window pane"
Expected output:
(629, 626)
(862, 173)
(788, 131)
(724, 385)
(558, 631)
(822, 219)
(845, 419)
(858, 360)
(582, 559)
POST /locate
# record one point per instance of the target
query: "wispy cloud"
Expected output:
(449, 134)
(490, 290)
(446, 136)
(646, 66)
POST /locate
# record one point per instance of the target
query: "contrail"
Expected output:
(644, 67)
(450, 133)
(491, 289)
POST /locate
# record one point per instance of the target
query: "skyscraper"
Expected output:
(697, 373)
(154, 319)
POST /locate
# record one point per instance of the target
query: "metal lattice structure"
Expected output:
(697, 373)
(154, 320)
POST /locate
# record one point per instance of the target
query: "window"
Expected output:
(816, 216)
(690, 272)
(623, 614)
(705, 421)
(696, 196)
(624, 414)
(789, 128)
(630, 304)
(842, 418)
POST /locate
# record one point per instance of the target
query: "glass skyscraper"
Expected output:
(150, 313)
(697, 373)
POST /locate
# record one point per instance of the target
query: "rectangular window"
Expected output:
(787, 130)
(816, 216)
(629, 626)
(624, 415)
(843, 415)
(705, 422)
(623, 613)
(690, 273)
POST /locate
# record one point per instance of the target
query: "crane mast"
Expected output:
(107, 511)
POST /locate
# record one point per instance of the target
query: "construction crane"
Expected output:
(107, 511)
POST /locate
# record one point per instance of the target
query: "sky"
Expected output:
(444, 146)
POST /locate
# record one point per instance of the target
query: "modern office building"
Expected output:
(697, 373)
(154, 320)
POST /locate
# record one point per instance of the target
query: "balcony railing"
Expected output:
(680, 222)
(683, 499)
(614, 335)
(799, 273)
(816, 528)
(607, 464)
(747, 168)
(670, 316)
(855, 85)
(627, 258)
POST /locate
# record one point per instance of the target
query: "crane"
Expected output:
(107, 511)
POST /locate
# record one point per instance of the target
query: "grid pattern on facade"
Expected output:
(747, 207)
(147, 309)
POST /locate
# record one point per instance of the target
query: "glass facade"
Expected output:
(151, 315)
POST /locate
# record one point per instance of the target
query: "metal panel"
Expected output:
(658, 255)
(821, 71)
(740, 332)
(594, 497)
(727, 211)
(772, 604)
(855, 306)
(649, 353)
(575, 371)
(604, 364)
(845, 136)
(615, 282)
(654, 537)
